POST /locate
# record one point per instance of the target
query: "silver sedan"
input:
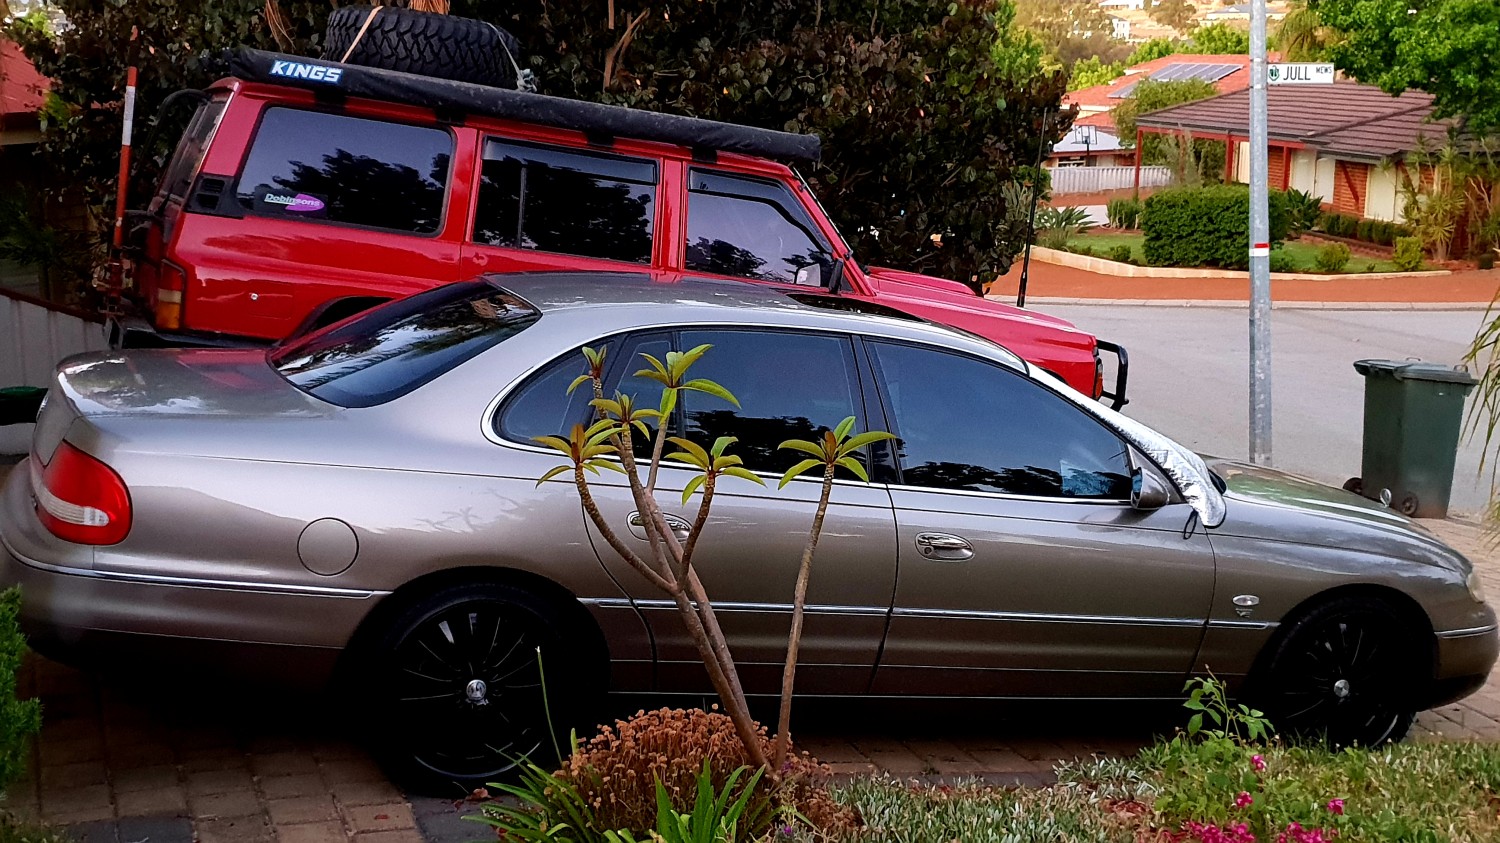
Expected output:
(361, 505)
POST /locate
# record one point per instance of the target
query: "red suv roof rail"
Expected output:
(592, 118)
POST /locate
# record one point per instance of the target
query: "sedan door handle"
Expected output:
(942, 547)
(678, 526)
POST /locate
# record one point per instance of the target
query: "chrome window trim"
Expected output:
(898, 487)
(817, 609)
(1227, 623)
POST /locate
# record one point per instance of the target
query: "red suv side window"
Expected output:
(308, 165)
(572, 203)
(748, 228)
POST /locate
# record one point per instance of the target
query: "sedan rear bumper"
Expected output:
(94, 620)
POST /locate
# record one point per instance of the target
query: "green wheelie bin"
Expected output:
(1413, 416)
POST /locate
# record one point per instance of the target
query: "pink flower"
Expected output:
(1244, 800)
(1259, 763)
(1336, 807)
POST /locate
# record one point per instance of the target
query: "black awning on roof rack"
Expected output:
(464, 97)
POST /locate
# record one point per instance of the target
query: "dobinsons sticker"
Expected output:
(301, 203)
(310, 72)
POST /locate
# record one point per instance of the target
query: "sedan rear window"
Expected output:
(398, 347)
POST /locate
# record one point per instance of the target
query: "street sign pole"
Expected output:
(1260, 245)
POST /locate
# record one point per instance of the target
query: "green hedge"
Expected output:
(1207, 226)
(19, 719)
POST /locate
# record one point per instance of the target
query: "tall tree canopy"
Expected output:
(1449, 48)
(1177, 14)
(1072, 30)
(926, 109)
(1221, 39)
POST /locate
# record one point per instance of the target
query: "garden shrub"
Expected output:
(19, 719)
(1121, 253)
(616, 771)
(1332, 258)
(1207, 226)
(1304, 210)
(13, 830)
(1486, 260)
(1282, 262)
(1408, 255)
(1364, 230)
(1123, 213)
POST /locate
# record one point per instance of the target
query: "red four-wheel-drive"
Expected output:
(304, 191)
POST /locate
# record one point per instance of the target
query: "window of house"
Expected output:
(748, 228)
(308, 165)
(573, 203)
(972, 425)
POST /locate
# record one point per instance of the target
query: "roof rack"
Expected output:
(594, 119)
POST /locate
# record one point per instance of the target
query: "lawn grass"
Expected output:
(1304, 252)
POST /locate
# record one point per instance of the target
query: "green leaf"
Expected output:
(556, 442)
(691, 487)
(721, 443)
(844, 427)
(804, 446)
(867, 438)
(553, 473)
(708, 386)
(579, 381)
(854, 468)
(668, 403)
(743, 474)
(609, 465)
(796, 470)
(1195, 723)
(700, 455)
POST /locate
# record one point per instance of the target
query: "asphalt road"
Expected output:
(1189, 378)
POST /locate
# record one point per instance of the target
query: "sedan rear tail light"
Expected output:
(80, 499)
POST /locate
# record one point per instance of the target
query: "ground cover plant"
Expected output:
(1217, 781)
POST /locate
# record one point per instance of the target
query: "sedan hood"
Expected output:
(894, 284)
(1273, 505)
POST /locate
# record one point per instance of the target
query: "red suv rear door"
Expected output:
(327, 204)
(541, 206)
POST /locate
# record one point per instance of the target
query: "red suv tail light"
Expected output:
(80, 499)
(171, 283)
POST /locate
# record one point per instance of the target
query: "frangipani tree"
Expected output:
(608, 444)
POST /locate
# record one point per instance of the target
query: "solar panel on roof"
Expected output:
(1122, 93)
(1186, 70)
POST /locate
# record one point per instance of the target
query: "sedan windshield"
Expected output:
(393, 349)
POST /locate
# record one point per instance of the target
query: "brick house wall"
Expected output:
(1351, 183)
(1277, 170)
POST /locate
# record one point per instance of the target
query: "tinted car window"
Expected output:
(748, 228)
(188, 156)
(535, 197)
(789, 385)
(543, 406)
(397, 347)
(967, 424)
(307, 165)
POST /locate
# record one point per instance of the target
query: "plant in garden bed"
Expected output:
(19, 719)
(1057, 226)
(608, 444)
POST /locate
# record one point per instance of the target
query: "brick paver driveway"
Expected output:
(120, 764)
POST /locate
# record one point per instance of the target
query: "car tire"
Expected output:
(1343, 672)
(454, 680)
(424, 43)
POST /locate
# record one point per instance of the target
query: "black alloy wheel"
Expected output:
(459, 683)
(1344, 672)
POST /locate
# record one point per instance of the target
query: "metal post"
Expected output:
(1260, 245)
(1036, 183)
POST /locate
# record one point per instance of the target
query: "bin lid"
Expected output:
(1415, 370)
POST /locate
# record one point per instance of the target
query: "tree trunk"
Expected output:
(794, 640)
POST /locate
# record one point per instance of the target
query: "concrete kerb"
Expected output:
(1104, 266)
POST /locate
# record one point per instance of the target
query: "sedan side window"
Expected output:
(970, 425)
(750, 228)
(789, 385)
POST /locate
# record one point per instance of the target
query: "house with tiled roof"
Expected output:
(1226, 72)
(1346, 143)
(22, 91)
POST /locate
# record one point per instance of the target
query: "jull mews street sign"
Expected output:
(1300, 73)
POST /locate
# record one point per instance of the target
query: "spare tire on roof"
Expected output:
(424, 43)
